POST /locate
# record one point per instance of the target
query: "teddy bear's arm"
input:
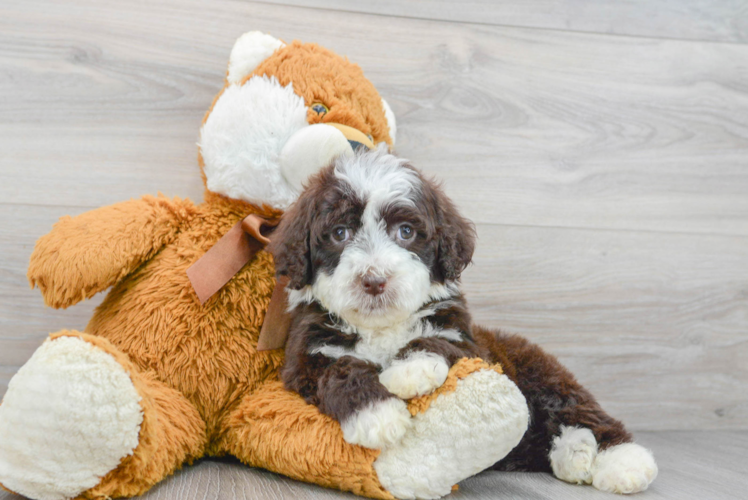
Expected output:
(86, 254)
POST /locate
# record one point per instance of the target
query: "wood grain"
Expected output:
(709, 20)
(683, 459)
(648, 321)
(607, 174)
(532, 127)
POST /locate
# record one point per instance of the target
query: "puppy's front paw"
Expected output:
(418, 374)
(626, 468)
(378, 425)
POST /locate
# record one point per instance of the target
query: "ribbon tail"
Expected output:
(277, 319)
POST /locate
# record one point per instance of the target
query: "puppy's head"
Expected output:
(372, 240)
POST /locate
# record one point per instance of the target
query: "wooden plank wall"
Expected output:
(601, 148)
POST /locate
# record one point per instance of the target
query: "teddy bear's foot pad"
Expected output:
(462, 433)
(70, 415)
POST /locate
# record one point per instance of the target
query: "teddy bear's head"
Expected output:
(284, 113)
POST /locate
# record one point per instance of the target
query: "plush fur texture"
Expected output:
(379, 248)
(310, 444)
(261, 108)
(321, 76)
(203, 387)
(243, 137)
(391, 123)
(91, 252)
(453, 438)
(249, 51)
(350, 353)
(192, 365)
(309, 150)
(306, 445)
(67, 384)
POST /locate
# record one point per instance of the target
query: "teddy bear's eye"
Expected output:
(320, 109)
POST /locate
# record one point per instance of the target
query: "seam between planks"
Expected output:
(491, 224)
(507, 26)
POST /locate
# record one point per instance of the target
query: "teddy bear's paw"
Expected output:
(573, 454)
(461, 433)
(70, 415)
(625, 468)
(378, 425)
(417, 375)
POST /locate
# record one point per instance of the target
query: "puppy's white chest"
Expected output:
(378, 346)
(381, 346)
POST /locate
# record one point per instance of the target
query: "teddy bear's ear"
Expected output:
(249, 51)
(390, 120)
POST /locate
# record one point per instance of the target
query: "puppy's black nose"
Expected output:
(373, 285)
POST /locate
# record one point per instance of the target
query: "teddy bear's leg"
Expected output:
(80, 420)
(468, 424)
(275, 429)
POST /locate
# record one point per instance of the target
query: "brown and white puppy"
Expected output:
(373, 251)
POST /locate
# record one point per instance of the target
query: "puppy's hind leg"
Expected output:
(570, 434)
(589, 446)
(621, 468)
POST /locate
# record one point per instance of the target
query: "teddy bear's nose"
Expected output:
(373, 285)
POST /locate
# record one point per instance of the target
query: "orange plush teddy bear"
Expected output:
(163, 375)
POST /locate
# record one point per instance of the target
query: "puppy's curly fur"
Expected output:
(373, 252)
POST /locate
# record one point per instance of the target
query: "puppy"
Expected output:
(373, 251)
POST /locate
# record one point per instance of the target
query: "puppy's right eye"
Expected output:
(340, 234)
(405, 232)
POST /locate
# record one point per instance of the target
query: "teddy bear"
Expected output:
(164, 373)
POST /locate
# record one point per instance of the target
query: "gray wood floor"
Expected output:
(699, 465)
(600, 146)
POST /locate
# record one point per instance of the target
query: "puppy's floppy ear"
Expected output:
(289, 243)
(455, 234)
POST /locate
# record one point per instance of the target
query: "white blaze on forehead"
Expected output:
(379, 178)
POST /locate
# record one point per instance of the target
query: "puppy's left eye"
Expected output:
(340, 234)
(405, 232)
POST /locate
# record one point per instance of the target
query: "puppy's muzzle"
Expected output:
(373, 285)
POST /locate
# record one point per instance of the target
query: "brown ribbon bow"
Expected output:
(226, 258)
